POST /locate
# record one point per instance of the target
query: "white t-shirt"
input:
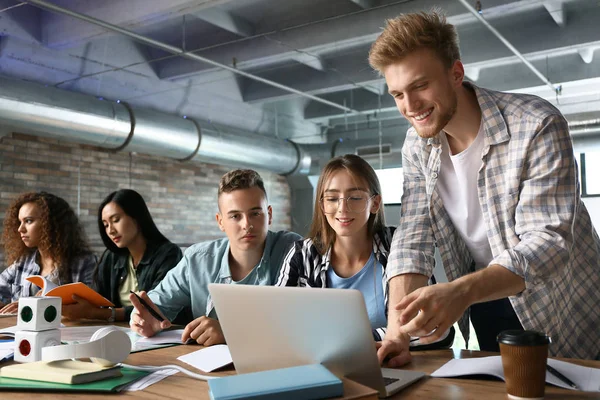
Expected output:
(457, 186)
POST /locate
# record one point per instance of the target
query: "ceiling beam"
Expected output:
(556, 8)
(332, 36)
(364, 4)
(314, 62)
(226, 20)
(481, 50)
(587, 54)
(60, 31)
(23, 22)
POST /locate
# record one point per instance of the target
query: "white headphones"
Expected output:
(107, 347)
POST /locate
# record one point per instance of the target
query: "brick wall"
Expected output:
(181, 196)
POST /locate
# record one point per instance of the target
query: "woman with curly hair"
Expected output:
(42, 236)
(137, 257)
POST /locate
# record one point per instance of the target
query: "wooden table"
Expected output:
(180, 386)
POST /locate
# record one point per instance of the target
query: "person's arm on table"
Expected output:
(205, 331)
(7, 278)
(411, 260)
(439, 306)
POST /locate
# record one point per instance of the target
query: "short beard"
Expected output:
(444, 119)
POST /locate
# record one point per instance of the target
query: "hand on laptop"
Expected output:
(205, 331)
(142, 322)
(430, 311)
(394, 351)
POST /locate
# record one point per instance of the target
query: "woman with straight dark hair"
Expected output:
(137, 256)
(348, 247)
(42, 236)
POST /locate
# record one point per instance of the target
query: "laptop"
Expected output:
(270, 327)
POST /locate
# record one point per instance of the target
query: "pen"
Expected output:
(561, 377)
(150, 309)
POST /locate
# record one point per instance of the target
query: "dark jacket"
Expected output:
(154, 265)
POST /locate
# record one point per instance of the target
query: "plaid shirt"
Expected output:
(536, 223)
(304, 266)
(12, 280)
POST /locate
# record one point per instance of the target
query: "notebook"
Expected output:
(66, 292)
(109, 385)
(586, 378)
(9, 331)
(65, 371)
(304, 382)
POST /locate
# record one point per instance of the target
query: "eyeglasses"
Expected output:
(355, 203)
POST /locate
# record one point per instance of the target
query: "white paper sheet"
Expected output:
(6, 349)
(5, 353)
(586, 379)
(7, 345)
(82, 334)
(150, 379)
(164, 337)
(8, 331)
(209, 358)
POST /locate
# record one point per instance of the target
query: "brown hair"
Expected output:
(62, 238)
(410, 32)
(321, 233)
(241, 179)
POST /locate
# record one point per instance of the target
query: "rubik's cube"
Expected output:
(38, 323)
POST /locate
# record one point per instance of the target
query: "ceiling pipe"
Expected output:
(587, 128)
(182, 53)
(508, 44)
(74, 117)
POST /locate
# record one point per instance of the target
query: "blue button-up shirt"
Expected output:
(208, 262)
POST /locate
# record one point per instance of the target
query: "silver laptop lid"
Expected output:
(276, 327)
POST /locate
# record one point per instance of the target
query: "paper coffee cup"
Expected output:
(524, 356)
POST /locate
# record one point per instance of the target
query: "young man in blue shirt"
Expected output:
(251, 255)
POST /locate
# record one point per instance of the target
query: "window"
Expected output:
(391, 180)
(590, 168)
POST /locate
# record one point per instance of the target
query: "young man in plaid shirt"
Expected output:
(490, 179)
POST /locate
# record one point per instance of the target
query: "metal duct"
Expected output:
(584, 128)
(63, 115)
(83, 119)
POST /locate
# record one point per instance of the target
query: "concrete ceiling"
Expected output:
(315, 46)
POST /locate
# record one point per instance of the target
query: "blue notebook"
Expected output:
(305, 382)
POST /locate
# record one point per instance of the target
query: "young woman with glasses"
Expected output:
(348, 245)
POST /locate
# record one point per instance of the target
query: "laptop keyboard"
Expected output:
(389, 381)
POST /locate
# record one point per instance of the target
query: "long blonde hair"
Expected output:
(323, 235)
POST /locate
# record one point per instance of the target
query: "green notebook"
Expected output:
(112, 385)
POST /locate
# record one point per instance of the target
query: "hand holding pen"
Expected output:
(146, 319)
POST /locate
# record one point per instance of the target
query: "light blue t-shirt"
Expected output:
(208, 262)
(368, 281)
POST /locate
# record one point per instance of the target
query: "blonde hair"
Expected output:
(321, 233)
(409, 32)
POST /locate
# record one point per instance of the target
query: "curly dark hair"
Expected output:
(63, 238)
